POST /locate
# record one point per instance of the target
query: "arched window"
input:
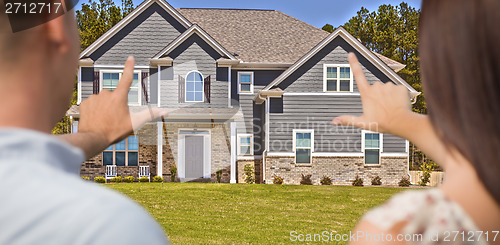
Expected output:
(194, 87)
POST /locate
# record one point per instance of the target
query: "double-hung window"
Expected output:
(245, 82)
(372, 147)
(124, 153)
(303, 145)
(245, 144)
(337, 78)
(194, 87)
(110, 81)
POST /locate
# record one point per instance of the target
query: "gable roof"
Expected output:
(256, 37)
(131, 16)
(260, 36)
(195, 29)
(355, 43)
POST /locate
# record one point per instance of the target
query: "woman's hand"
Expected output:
(386, 109)
(384, 105)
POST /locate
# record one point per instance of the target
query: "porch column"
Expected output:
(159, 167)
(233, 152)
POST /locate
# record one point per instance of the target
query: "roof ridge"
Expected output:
(232, 9)
(315, 27)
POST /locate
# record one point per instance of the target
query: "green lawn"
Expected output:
(197, 213)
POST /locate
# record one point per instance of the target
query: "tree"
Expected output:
(393, 32)
(328, 28)
(94, 19)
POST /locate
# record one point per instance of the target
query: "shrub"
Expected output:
(218, 175)
(278, 180)
(377, 180)
(143, 179)
(325, 180)
(404, 182)
(129, 179)
(358, 181)
(157, 179)
(99, 179)
(306, 180)
(249, 174)
(426, 169)
(173, 172)
(85, 178)
(117, 179)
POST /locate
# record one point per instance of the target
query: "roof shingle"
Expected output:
(262, 36)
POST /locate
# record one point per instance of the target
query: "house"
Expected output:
(254, 87)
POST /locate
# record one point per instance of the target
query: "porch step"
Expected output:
(196, 180)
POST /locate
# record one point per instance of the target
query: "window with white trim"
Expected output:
(110, 81)
(245, 144)
(194, 87)
(337, 78)
(245, 82)
(372, 147)
(124, 153)
(303, 146)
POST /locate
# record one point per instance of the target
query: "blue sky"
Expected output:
(314, 12)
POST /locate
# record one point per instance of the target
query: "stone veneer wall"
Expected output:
(220, 150)
(240, 173)
(147, 156)
(342, 170)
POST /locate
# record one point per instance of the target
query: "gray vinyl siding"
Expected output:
(394, 144)
(308, 112)
(194, 54)
(153, 85)
(252, 119)
(309, 77)
(87, 82)
(143, 37)
(317, 112)
(253, 114)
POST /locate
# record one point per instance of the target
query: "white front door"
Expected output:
(194, 156)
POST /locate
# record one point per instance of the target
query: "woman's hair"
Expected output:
(460, 64)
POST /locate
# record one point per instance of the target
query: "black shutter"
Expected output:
(182, 92)
(144, 81)
(96, 86)
(206, 85)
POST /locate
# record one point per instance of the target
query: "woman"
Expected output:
(460, 64)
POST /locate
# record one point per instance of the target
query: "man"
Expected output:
(43, 200)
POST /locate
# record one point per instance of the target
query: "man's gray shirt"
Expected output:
(44, 201)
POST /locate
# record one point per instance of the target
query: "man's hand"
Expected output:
(383, 104)
(107, 114)
(105, 118)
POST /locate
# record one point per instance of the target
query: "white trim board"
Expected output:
(256, 157)
(122, 66)
(207, 152)
(195, 29)
(338, 79)
(317, 154)
(370, 56)
(335, 154)
(251, 73)
(238, 143)
(129, 18)
(380, 146)
(79, 86)
(120, 72)
(332, 94)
